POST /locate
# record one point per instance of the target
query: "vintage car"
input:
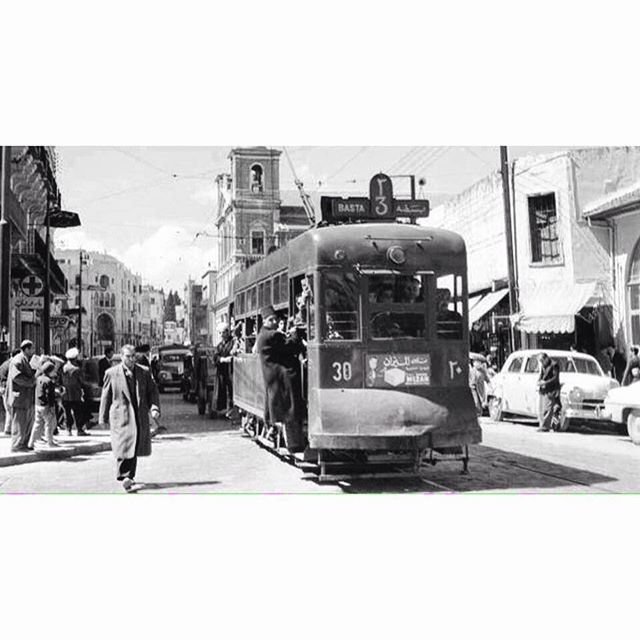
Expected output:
(514, 390)
(622, 406)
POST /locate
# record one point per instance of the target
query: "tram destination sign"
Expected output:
(380, 206)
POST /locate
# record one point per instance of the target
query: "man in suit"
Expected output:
(20, 397)
(129, 395)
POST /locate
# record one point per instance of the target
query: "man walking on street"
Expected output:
(73, 385)
(21, 384)
(549, 388)
(129, 395)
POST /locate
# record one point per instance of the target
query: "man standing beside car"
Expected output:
(549, 388)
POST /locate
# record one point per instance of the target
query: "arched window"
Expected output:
(104, 282)
(633, 285)
(256, 179)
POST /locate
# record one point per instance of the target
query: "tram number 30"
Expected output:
(341, 371)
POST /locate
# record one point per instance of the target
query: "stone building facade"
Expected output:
(112, 297)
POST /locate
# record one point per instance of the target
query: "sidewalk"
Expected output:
(97, 440)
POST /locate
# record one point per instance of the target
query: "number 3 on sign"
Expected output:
(342, 371)
(382, 208)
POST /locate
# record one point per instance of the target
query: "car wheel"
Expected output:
(495, 409)
(633, 426)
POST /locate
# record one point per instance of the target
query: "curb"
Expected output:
(60, 454)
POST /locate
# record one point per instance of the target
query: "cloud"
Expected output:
(165, 259)
(169, 256)
(76, 239)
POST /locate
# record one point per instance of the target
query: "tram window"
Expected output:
(267, 293)
(276, 289)
(449, 309)
(252, 299)
(396, 306)
(341, 294)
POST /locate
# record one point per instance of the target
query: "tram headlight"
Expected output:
(340, 255)
(396, 255)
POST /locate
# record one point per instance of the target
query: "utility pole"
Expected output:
(513, 302)
(46, 312)
(79, 336)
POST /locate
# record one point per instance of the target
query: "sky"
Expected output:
(154, 207)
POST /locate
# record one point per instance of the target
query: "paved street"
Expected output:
(199, 455)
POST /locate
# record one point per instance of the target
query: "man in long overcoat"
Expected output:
(20, 397)
(281, 372)
(129, 395)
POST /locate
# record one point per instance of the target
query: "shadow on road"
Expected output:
(491, 470)
(173, 485)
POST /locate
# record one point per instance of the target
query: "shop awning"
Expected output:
(484, 304)
(551, 307)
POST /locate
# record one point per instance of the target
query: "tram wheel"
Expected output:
(633, 426)
(495, 409)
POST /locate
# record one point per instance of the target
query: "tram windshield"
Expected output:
(341, 293)
(449, 307)
(397, 305)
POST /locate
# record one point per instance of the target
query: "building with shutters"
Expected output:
(564, 212)
(28, 190)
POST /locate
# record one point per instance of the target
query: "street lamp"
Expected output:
(58, 219)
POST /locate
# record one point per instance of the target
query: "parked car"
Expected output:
(622, 406)
(584, 386)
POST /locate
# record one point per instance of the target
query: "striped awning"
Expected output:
(552, 307)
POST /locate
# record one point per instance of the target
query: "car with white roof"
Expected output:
(622, 406)
(584, 386)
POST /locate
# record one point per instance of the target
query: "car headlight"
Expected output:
(164, 375)
(576, 395)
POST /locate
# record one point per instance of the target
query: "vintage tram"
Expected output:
(386, 376)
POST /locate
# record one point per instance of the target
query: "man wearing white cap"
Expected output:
(72, 399)
(20, 397)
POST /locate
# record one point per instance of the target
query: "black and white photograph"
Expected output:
(467, 319)
(319, 318)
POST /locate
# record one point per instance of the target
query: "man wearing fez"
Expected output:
(281, 372)
(20, 397)
(142, 355)
(129, 398)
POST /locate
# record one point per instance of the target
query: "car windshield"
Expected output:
(569, 364)
(172, 357)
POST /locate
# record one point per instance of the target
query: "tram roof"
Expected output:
(317, 247)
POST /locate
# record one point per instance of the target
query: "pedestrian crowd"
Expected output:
(42, 395)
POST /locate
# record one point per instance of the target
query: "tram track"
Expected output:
(515, 465)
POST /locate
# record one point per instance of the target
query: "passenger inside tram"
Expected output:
(448, 320)
(392, 313)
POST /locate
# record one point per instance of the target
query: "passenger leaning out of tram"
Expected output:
(223, 359)
(279, 355)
